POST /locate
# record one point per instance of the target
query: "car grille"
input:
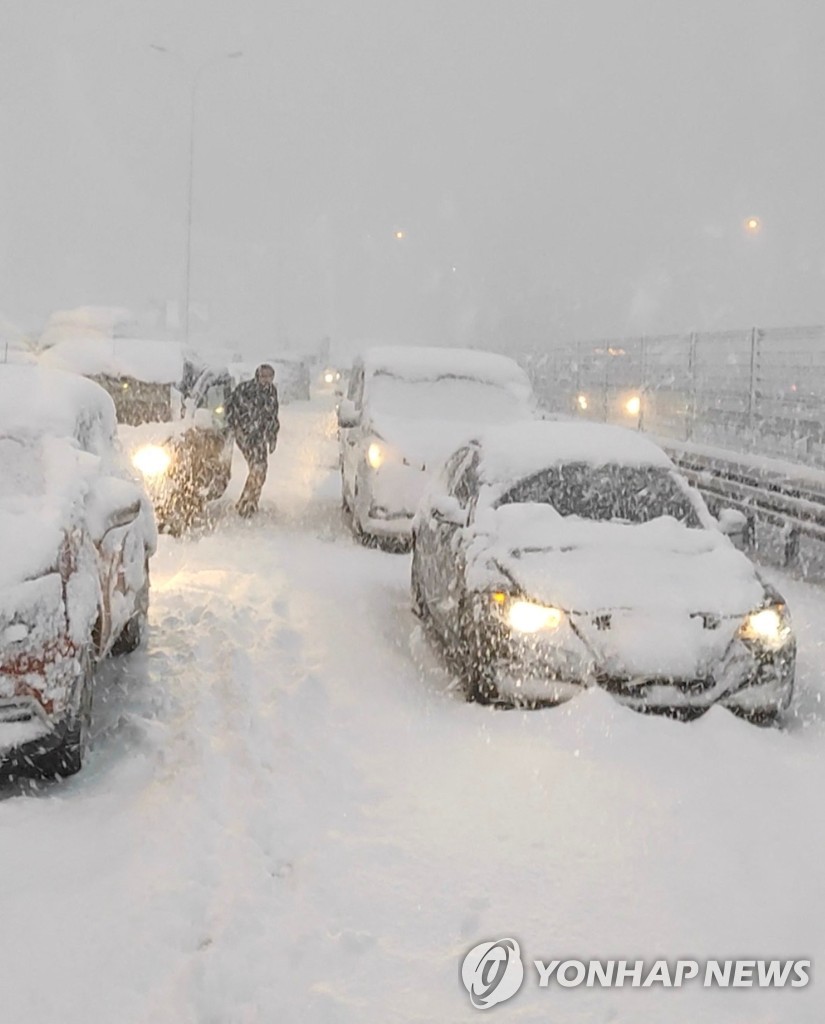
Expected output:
(19, 710)
(635, 687)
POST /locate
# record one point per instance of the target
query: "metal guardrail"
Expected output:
(760, 490)
(756, 390)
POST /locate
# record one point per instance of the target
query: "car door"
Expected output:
(350, 437)
(426, 531)
(447, 523)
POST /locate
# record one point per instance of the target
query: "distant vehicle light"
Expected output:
(152, 460)
(581, 402)
(753, 225)
(329, 378)
(400, 235)
(633, 405)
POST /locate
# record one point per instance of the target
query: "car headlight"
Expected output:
(376, 455)
(152, 460)
(581, 402)
(633, 405)
(524, 616)
(768, 627)
(329, 378)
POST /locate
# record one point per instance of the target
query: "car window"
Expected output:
(465, 484)
(355, 392)
(632, 494)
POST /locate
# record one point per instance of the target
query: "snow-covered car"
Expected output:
(552, 556)
(186, 463)
(406, 409)
(169, 402)
(145, 377)
(76, 535)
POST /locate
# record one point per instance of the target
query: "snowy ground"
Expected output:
(289, 817)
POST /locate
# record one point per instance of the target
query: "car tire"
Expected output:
(478, 676)
(67, 758)
(417, 601)
(135, 629)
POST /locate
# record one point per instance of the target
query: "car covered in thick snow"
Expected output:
(553, 556)
(144, 376)
(169, 402)
(187, 462)
(76, 535)
(406, 409)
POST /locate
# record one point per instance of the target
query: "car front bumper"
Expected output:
(752, 683)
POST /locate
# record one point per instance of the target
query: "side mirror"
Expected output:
(348, 415)
(112, 503)
(203, 419)
(447, 510)
(735, 524)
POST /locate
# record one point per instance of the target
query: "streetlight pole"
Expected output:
(196, 80)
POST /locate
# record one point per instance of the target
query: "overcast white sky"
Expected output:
(584, 165)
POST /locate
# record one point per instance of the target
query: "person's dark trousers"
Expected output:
(257, 458)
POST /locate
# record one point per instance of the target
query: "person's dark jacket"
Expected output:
(252, 415)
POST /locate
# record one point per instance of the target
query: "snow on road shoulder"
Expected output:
(290, 816)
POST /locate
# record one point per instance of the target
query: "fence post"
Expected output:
(643, 388)
(690, 419)
(752, 387)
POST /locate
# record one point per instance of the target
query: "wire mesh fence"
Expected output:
(758, 390)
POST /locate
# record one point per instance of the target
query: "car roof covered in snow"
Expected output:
(422, 363)
(516, 451)
(149, 360)
(38, 401)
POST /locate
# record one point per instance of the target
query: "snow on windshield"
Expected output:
(631, 494)
(445, 398)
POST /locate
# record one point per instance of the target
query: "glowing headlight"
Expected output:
(219, 410)
(152, 460)
(769, 627)
(329, 378)
(633, 405)
(527, 616)
(376, 455)
(581, 402)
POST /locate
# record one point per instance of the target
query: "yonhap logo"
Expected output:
(492, 972)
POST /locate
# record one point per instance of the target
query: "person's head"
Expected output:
(265, 374)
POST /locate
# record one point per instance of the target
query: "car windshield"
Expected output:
(611, 493)
(444, 398)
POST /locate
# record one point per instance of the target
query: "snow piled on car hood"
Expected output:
(425, 444)
(580, 565)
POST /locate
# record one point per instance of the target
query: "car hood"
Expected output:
(424, 444)
(655, 599)
(588, 566)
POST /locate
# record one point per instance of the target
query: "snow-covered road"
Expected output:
(289, 817)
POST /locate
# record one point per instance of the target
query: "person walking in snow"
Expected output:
(252, 416)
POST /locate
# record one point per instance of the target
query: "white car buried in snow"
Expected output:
(553, 556)
(76, 534)
(406, 409)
